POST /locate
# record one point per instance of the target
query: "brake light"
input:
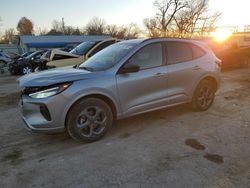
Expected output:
(218, 62)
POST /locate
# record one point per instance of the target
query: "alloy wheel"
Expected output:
(92, 121)
(27, 70)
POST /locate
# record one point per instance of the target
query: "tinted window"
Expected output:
(83, 48)
(47, 55)
(38, 55)
(197, 51)
(178, 52)
(101, 46)
(33, 54)
(148, 57)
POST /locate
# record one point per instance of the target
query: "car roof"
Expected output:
(161, 39)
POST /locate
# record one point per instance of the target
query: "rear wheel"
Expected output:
(203, 97)
(89, 120)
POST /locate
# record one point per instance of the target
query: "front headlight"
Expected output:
(49, 91)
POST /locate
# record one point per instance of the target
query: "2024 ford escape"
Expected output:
(125, 79)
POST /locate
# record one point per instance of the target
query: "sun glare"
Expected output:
(221, 34)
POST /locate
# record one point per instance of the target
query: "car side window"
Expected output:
(101, 46)
(38, 56)
(148, 57)
(178, 52)
(197, 51)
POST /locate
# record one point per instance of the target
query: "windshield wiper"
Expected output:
(87, 69)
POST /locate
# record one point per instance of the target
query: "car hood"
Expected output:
(54, 76)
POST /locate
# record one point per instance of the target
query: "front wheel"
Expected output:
(89, 120)
(204, 95)
(26, 70)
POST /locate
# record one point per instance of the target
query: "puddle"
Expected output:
(214, 158)
(125, 135)
(193, 143)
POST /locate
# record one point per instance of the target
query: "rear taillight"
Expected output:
(218, 62)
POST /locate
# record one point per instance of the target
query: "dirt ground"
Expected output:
(173, 148)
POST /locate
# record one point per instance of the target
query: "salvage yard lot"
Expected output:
(174, 147)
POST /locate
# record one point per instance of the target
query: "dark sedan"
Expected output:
(26, 65)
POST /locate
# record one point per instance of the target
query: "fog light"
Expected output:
(45, 112)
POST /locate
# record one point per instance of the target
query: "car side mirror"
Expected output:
(128, 68)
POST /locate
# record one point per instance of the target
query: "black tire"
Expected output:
(26, 70)
(204, 95)
(89, 120)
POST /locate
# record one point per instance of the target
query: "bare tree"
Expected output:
(60, 28)
(166, 10)
(96, 26)
(132, 31)
(9, 36)
(57, 26)
(112, 30)
(41, 31)
(195, 18)
(25, 26)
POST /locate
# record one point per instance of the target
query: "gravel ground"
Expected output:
(174, 147)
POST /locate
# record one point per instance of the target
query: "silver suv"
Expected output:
(124, 79)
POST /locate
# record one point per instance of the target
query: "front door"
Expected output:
(146, 89)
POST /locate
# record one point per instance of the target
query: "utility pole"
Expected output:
(63, 26)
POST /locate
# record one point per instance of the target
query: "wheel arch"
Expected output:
(210, 78)
(106, 99)
(213, 81)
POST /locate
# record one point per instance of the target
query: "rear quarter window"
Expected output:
(178, 52)
(197, 51)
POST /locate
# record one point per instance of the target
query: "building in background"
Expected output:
(33, 43)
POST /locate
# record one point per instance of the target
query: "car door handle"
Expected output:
(159, 74)
(196, 68)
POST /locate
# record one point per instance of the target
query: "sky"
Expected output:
(78, 12)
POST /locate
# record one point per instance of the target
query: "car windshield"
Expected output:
(83, 48)
(108, 57)
(33, 54)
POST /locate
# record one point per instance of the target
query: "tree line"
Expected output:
(173, 18)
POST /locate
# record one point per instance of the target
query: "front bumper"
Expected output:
(34, 117)
(42, 130)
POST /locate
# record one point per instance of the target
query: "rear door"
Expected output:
(146, 89)
(183, 65)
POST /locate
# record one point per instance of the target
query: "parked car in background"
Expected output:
(122, 80)
(4, 61)
(4, 58)
(59, 58)
(27, 64)
(16, 56)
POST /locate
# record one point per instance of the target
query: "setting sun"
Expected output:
(221, 34)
